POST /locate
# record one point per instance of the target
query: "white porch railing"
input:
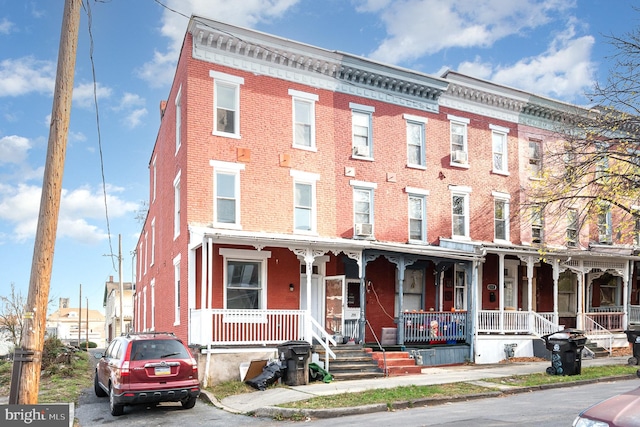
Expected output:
(609, 320)
(325, 340)
(598, 333)
(246, 327)
(516, 322)
(634, 314)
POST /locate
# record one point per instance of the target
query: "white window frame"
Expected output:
(153, 304)
(368, 188)
(459, 273)
(499, 147)
(153, 241)
(421, 195)
(154, 177)
(178, 105)
(146, 250)
(419, 123)
(605, 228)
(537, 222)
(535, 163)
(362, 113)
(144, 305)
(232, 82)
(140, 259)
(242, 255)
(310, 99)
(176, 294)
(176, 205)
(232, 169)
(506, 199)
(572, 228)
(463, 123)
(310, 179)
(464, 193)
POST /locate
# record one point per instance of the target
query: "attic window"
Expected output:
(73, 314)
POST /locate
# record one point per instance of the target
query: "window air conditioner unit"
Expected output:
(459, 156)
(361, 150)
(362, 229)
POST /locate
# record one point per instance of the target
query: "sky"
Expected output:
(554, 48)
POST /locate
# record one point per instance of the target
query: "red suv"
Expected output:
(147, 367)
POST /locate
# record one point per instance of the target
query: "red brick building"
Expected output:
(304, 194)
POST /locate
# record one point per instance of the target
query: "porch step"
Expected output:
(596, 349)
(352, 362)
(398, 363)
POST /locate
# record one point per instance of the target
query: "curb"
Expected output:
(280, 412)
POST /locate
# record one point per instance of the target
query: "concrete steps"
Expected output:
(352, 363)
(398, 363)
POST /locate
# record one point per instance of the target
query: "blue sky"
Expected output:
(555, 48)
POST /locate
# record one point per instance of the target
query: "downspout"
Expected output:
(474, 305)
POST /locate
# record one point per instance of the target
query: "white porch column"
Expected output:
(580, 323)
(501, 290)
(530, 264)
(203, 294)
(556, 276)
(625, 294)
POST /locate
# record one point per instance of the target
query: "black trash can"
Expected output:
(295, 356)
(633, 337)
(566, 351)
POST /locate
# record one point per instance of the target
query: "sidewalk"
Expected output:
(262, 403)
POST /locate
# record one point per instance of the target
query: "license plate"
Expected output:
(163, 370)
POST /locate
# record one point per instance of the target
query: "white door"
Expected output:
(317, 297)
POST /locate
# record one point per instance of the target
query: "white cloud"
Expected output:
(6, 26)
(134, 118)
(247, 13)
(26, 75)
(423, 27)
(564, 70)
(14, 149)
(130, 100)
(19, 206)
(83, 94)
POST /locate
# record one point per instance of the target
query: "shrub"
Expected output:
(83, 345)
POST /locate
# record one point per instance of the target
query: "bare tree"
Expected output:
(12, 308)
(591, 172)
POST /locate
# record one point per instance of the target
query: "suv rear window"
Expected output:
(158, 349)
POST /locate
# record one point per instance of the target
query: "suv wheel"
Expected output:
(96, 387)
(116, 410)
(189, 402)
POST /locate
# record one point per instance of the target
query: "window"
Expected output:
(417, 214)
(245, 278)
(176, 287)
(501, 216)
(567, 301)
(604, 225)
(460, 211)
(140, 260)
(415, 141)
(535, 158)
(363, 208)
(537, 223)
(304, 200)
(637, 231)
(154, 178)
(460, 288)
(176, 206)
(304, 121)
(458, 129)
(361, 130)
(226, 104)
(499, 148)
(572, 228)
(144, 311)
(226, 184)
(153, 304)
(178, 119)
(412, 291)
(146, 250)
(153, 241)
(602, 163)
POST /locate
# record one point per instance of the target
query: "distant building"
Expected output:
(69, 324)
(111, 304)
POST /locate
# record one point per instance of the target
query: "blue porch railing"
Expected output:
(435, 327)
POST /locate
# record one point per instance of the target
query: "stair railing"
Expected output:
(384, 354)
(596, 332)
(325, 341)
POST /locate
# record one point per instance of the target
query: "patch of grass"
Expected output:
(388, 396)
(65, 383)
(229, 388)
(5, 377)
(588, 373)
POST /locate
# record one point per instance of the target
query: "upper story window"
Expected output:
(416, 141)
(153, 241)
(572, 228)
(304, 119)
(499, 149)
(176, 290)
(362, 142)
(154, 178)
(535, 158)
(501, 216)
(605, 234)
(363, 208)
(304, 201)
(602, 163)
(176, 206)
(459, 149)
(537, 224)
(179, 119)
(417, 214)
(226, 193)
(245, 275)
(226, 104)
(460, 211)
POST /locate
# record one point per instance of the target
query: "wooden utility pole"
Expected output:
(86, 342)
(121, 284)
(79, 314)
(41, 264)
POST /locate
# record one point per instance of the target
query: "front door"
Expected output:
(334, 304)
(317, 297)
